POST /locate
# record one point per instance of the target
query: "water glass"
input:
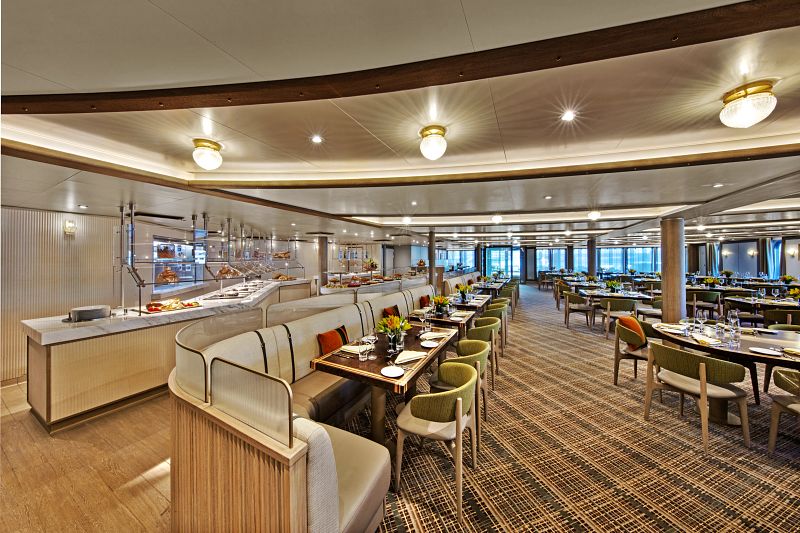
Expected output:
(700, 316)
(762, 292)
(776, 293)
(363, 349)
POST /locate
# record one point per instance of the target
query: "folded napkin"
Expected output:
(674, 328)
(791, 351)
(433, 335)
(409, 355)
(461, 313)
(350, 348)
(705, 340)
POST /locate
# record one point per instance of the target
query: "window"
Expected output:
(502, 258)
(542, 260)
(558, 258)
(611, 259)
(640, 259)
(581, 260)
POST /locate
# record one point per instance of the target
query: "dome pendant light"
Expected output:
(748, 104)
(206, 154)
(433, 145)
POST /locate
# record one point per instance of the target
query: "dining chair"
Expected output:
(613, 308)
(558, 292)
(487, 329)
(654, 311)
(710, 301)
(698, 376)
(510, 294)
(746, 311)
(788, 381)
(468, 352)
(575, 303)
(781, 316)
(630, 344)
(768, 368)
(443, 416)
(499, 311)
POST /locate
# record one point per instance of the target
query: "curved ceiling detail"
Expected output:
(697, 27)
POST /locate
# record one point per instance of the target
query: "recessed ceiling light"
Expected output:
(594, 215)
(548, 197)
(413, 202)
(406, 220)
(82, 206)
(293, 224)
(568, 115)
(392, 237)
(356, 234)
(497, 219)
(317, 139)
(718, 185)
(709, 234)
(720, 238)
(344, 231)
(509, 235)
(700, 227)
(567, 233)
(558, 240)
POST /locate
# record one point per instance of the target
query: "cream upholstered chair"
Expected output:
(468, 352)
(613, 308)
(487, 329)
(788, 381)
(443, 416)
(699, 376)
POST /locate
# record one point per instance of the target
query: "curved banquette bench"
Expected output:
(450, 283)
(286, 350)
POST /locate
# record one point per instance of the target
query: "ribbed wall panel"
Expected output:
(45, 273)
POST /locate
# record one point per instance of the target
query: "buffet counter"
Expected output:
(80, 370)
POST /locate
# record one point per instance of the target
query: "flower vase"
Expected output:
(464, 296)
(440, 310)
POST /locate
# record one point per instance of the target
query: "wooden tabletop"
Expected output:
(477, 303)
(627, 295)
(348, 366)
(742, 353)
(765, 302)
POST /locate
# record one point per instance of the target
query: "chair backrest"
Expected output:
(788, 380)
(618, 304)
(688, 364)
(483, 331)
(781, 316)
(785, 327)
(471, 350)
(711, 297)
(494, 313)
(658, 302)
(574, 297)
(629, 336)
(441, 406)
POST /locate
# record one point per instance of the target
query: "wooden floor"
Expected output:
(110, 474)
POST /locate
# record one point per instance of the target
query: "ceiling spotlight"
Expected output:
(567, 233)
(718, 185)
(413, 202)
(557, 239)
(548, 197)
(748, 104)
(497, 219)
(293, 224)
(356, 234)
(344, 231)
(568, 115)
(509, 235)
(406, 220)
(594, 215)
(700, 227)
(709, 234)
(433, 145)
(206, 154)
(317, 139)
(83, 206)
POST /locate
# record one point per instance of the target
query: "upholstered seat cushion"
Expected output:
(364, 472)
(580, 307)
(425, 428)
(791, 403)
(639, 353)
(692, 386)
(649, 312)
(320, 394)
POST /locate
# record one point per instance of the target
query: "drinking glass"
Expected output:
(424, 319)
(736, 334)
(392, 348)
(363, 349)
(762, 292)
(701, 315)
(776, 293)
(372, 339)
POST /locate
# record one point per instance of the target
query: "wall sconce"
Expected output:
(725, 253)
(751, 252)
(70, 227)
(792, 252)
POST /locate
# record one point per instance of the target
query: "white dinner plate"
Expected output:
(392, 371)
(429, 344)
(766, 351)
(456, 319)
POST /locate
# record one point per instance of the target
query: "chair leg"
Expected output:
(473, 434)
(607, 324)
(648, 393)
(767, 376)
(459, 476)
(682, 396)
(485, 403)
(616, 368)
(745, 422)
(398, 459)
(566, 317)
(635, 369)
(703, 408)
(775, 417)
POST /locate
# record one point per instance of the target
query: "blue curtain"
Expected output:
(774, 258)
(712, 266)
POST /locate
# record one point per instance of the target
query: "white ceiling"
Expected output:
(57, 46)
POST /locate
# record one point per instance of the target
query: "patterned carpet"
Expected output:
(566, 450)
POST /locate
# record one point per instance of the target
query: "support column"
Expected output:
(570, 257)
(322, 259)
(693, 258)
(479, 259)
(763, 250)
(523, 264)
(783, 256)
(710, 259)
(432, 258)
(591, 255)
(673, 272)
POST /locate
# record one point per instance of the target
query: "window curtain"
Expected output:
(774, 258)
(712, 262)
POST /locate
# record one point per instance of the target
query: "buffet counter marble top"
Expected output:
(53, 330)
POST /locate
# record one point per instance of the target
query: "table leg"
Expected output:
(718, 413)
(378, 410)
(410, 393)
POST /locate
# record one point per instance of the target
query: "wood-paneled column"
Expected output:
(570, 257)
(783, 256)
(591, 255)
(322, 259)
(763, 251)
(673, 270)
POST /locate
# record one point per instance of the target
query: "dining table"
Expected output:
(401, 378)
(766, 303)
(460, 319)
(475, 302)
(756, 346)
(493, 287)
(601, 294)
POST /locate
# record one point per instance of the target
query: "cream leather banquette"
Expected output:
(450, 283)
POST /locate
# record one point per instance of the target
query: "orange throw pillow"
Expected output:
(424, 301)
(391, 311)
(632, 324)
(332, 340)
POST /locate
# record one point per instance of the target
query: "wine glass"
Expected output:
(762, 292)
(372, 338)
(391, 335)
(776, 293)
(701, 315)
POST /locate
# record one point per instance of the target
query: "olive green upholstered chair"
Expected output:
(699, 376)
(710, 301)
(781, 316)
(499, 311)
(613, 308)
(768, 367)
(442, 416)
(487, 329)
(785, 327)
(468, 352)
(575, 303)
(654, 311)
(510, 294)
(746, 311)
(629, 346)
(787, 381)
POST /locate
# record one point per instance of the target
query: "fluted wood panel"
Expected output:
(46, 273)
(221, 480)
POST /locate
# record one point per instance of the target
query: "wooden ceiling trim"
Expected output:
(728, 156)
(724, 22)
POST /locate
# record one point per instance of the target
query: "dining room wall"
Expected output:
(735, 257)
(792, 261)
(402, 256)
